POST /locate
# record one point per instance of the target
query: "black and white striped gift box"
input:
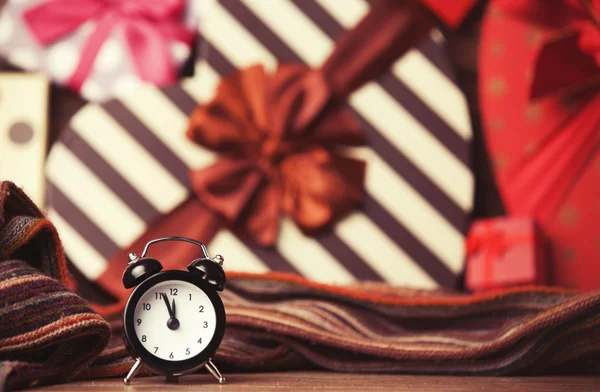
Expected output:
(123, 164)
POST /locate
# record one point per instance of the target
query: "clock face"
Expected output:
(174, 320)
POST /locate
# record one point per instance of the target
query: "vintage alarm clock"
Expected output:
(174, 320)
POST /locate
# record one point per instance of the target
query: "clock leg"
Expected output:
(212, 369)
(134, 369)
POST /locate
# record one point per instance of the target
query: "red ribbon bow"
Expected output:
(570, 55)
(277, 152)
(493, 243)
(148, 26)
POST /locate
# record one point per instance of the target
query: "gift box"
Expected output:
(24, 131)
(100, 48)
(505, 252)
(373, 186)
(539, 97)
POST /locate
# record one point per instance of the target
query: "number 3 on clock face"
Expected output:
(174, 322)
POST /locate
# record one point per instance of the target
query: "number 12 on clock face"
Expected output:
(173, 292)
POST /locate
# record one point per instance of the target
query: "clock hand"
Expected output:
(172, 322)
(171, 313)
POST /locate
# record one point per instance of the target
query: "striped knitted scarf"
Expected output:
(48, 334)
(279, 322)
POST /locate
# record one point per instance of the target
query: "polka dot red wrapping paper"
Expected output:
(539, 96)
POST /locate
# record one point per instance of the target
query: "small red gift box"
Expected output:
(504, 252)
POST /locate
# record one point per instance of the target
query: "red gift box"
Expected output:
(505, 252)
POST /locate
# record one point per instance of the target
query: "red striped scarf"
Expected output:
(48, 333)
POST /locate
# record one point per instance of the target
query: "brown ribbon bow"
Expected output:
(277, 151)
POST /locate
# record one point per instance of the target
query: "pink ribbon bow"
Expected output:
(148, 26)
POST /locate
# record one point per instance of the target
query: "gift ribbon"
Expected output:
(277, 135)
(148, 27)
(492, 243)
(569, 58)
(567, 63)
(276, 146)
(452, 13)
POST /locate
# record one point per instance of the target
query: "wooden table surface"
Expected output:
(311, 381)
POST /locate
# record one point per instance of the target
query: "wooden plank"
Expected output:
(310, 381)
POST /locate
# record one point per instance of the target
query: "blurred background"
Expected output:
(465, 55)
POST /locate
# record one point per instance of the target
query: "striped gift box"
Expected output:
(122, 165)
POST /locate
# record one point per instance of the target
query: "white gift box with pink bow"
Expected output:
(100, 48)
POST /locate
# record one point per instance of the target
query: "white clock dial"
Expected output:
(195, 320)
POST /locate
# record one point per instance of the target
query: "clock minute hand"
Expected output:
(172, 322)
(171, 313)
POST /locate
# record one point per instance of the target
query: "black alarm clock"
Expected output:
(174, 321)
